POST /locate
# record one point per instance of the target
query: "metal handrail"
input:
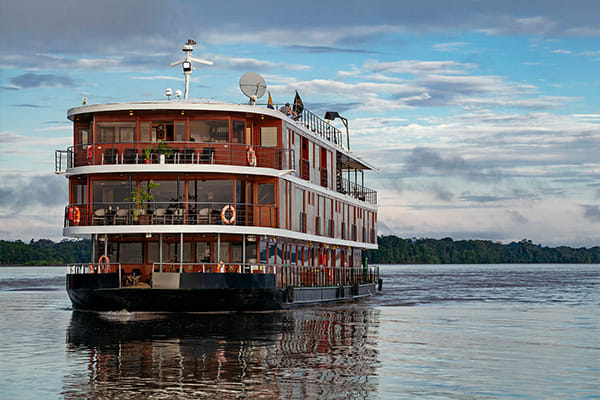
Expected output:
(357, 191)
(286, 275)
(109, 153)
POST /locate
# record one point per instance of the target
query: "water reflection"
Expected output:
(327, 352)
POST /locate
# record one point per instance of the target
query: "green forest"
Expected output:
(45, 252)
(392, 250)
(395, 250)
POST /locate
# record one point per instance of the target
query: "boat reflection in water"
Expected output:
(326, 352)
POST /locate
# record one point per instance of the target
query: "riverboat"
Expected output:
(206, 206)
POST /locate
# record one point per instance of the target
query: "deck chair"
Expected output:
(159, 216)
(130, 156)
(111, 156)
(186, 156)
(208, 155)
(121, 217)
(99, 217)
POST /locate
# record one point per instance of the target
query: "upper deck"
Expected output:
(204, 135)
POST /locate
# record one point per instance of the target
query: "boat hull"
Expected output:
(101, 293)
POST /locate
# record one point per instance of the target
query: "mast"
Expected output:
(186, 64)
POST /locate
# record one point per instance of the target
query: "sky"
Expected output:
(483, 117)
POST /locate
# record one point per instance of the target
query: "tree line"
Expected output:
(395, 250)
(45, 252)
(392, 250)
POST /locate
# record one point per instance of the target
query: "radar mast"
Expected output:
(186, 63)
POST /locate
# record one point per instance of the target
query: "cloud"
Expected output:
(517, 217)
(327, 49)
(18, 193)
(561, 51)
(28, 106)
(591, 213)
(31, 80)
(417, 67)
(450, 46)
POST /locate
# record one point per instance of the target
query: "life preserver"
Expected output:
(103, 261)
(221, 267)
(251, 157)
(89, 154)
(228, 209)
(91, 268)
(74, 215)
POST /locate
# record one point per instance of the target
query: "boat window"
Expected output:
(263, 252)
(268, 136)
(224, 254)
(116, 132)
(167, 193)
(163, 131)
(83, 136)
(293, 255)
(218, 191)
(154, 254)
(131, 253)
(236, 252)
(180, 131)
(111, 191)
(145, 132)
(266, 193)
(272, 253)
(79, 193)
(175, 249)
(250, 249)
(237, 134)
(209, 131)
(202, 252)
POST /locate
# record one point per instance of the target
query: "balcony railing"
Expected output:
(178, 153)
(285, 275)
(317, 125)
(357, 191)
(171, 213)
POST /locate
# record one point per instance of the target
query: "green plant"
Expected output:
(141, 197)
(147, 152)
(164, 148)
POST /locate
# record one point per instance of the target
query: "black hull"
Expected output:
(98, 293)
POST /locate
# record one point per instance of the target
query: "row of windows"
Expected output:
(217, 131)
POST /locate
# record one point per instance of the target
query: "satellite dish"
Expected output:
(252, 84)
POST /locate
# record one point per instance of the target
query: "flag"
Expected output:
(270, 103)
(298, 106)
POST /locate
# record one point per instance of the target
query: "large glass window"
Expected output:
(83, 136)
(167, 193)
(237, 134)
(224, 252)
(251, 249)
(131, 253)
(236, 252)
(79, 193)
(266, 193)
(263, 252)
(209, 131)
(111, 191)
(175, 250)
(119, 132)
(203, 252)
(272, 253)
(154, 252)
(209, 191)
(268, 136)
(180, 131)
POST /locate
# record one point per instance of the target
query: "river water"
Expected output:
(436, 332)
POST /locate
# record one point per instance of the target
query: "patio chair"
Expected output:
(99, 217)
(203, 216)
(177, 217)
(208, 155)
(121, 217)
(130, 156)
(186, 156)
(159, 216)
(111, 156)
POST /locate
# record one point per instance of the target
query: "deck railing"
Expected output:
(171, 213)
(357, 191)
(178, 153)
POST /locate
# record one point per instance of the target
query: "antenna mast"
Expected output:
(186, 63)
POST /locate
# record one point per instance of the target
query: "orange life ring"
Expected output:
(74, 215)
(231, 219)
(89, 154)
(221, 266)
(251, 157)
(104, 262)
(92, 268)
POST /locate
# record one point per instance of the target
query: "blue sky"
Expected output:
(484, 117)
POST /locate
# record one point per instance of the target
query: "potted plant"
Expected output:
(142, 197)
(147, 154)
(165, 151)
